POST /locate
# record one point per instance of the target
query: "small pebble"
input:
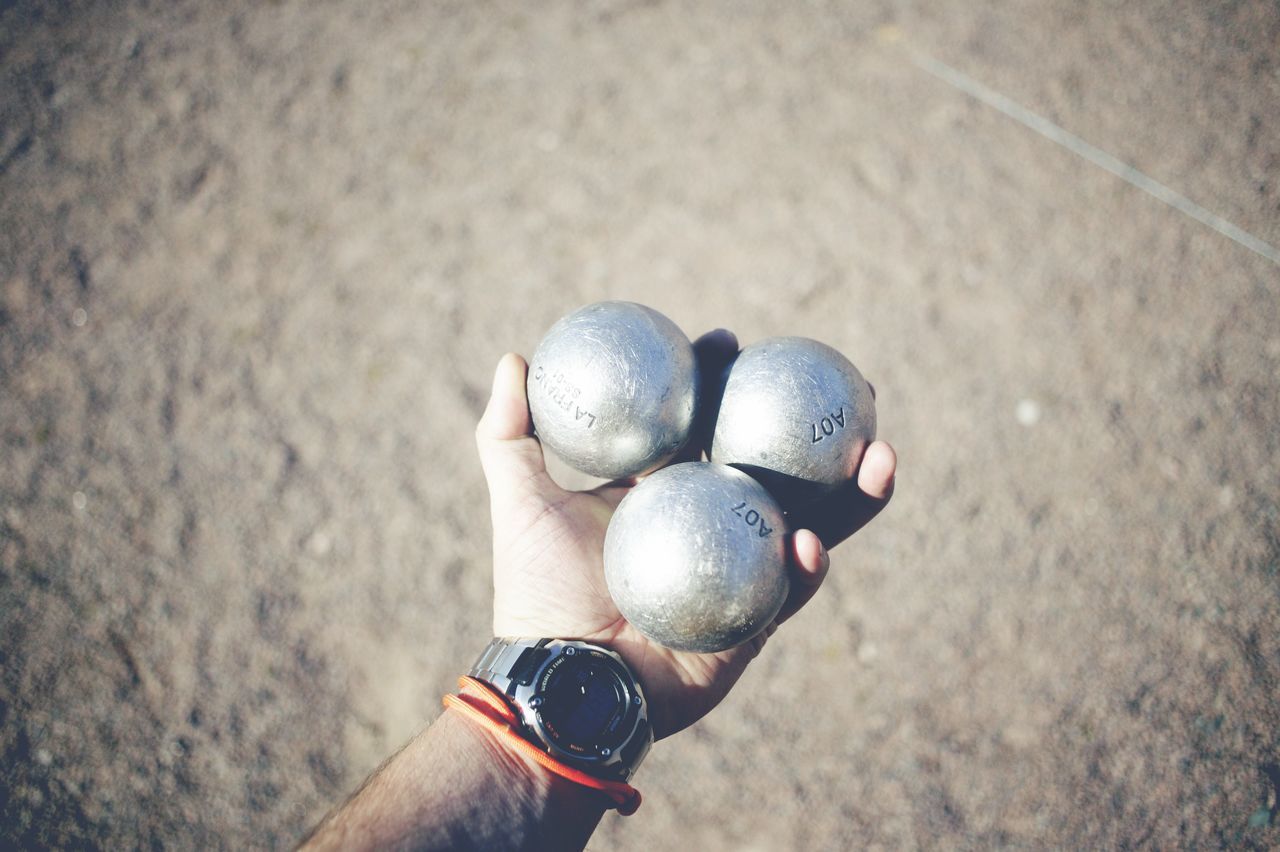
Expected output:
(79, 501)
(1028, 412)
(79, 317)
(320, 544)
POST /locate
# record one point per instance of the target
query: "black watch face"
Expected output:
(586, 706)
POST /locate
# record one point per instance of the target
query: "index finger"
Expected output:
(714, 351)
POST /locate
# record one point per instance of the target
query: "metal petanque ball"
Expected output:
(796, 415)
(695, 557)
(613, 388)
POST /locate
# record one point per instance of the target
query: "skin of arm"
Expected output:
(455, 786)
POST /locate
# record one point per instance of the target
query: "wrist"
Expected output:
(561, 812)
(526, 775)
(454, 786)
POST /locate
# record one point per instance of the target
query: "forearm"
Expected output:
(455, 786)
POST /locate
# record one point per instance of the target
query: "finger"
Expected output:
(809, 565)
(837, 516)
(510, 455)
(714, 351)
(716, 348)
(877, 471)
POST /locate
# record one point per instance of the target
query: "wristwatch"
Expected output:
(577, 701)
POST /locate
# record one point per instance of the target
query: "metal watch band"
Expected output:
(507, 663)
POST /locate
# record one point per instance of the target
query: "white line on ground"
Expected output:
(1092, 153)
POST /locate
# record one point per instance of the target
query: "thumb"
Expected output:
(510, 455)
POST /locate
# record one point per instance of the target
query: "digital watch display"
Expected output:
(578, 701)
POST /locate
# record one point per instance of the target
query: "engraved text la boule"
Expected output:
(563, 394)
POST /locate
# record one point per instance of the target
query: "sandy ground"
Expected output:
(257, 262)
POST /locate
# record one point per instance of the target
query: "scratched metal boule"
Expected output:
(695, 557)
(613, 388)
(795, 414)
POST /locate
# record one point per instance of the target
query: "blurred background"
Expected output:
(258, 261)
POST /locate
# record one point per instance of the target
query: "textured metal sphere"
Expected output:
(795, 414)
(613, 388)
(695, 557)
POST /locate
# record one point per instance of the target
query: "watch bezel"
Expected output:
(600, 748)
(622, 755)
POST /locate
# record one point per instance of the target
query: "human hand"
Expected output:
(548, 546)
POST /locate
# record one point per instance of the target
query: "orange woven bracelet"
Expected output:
(478, 702)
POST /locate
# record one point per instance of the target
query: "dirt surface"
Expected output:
(257, 262)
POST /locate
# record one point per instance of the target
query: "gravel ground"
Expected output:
(257, 262)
